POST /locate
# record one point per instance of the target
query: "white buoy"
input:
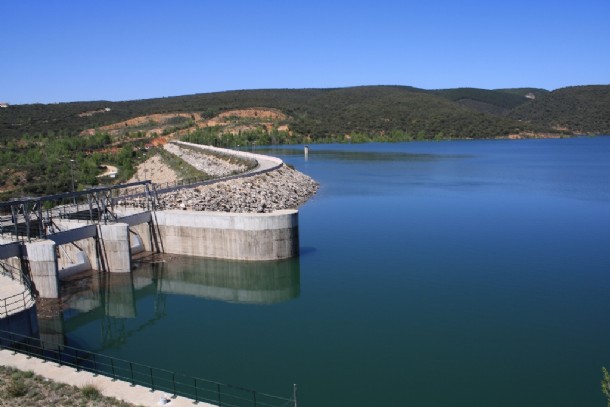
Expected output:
(306, 152)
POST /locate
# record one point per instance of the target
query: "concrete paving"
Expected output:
(137, 395)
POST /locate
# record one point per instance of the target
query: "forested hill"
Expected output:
(578, 109)
(333, 114)
(499, 102)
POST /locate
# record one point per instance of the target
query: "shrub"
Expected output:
(16, 388)
(91, 392)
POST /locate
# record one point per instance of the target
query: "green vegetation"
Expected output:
(329, 114)
(19, 388)
(579, 110)
(216, 136)
(91, 392)
(605, 383)
(316, 113)
(499, 98)
(16, 386)
(49, 163)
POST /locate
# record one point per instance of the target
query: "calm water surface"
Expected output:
(472, 273)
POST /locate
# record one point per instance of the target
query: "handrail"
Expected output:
(198, 389)
(16, 303)
(25, 298)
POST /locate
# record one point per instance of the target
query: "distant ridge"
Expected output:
(576, 109)
(337, 112)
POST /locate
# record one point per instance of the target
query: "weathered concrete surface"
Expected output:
(116, 246)
(68, 252)
(233, 236)
(43, 268)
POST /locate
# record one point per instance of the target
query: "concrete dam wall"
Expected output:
(232, 236)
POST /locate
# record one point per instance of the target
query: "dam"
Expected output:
(53, 237)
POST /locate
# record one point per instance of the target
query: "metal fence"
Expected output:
(20, 301)
(16, 303)
(200, 390)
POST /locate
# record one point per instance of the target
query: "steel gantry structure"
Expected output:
(32, 217)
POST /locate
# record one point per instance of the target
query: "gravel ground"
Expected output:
(209, 164)
(155, 170)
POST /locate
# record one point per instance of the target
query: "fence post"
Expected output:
(152, 380)
(174, 382)
(112, 366)
(131, 370)
(44, 358)
(196, 393)
(218, 389)
(254, 397)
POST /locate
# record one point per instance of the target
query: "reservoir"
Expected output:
(462, 273)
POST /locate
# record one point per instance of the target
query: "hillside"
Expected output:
(498, 102)
(330, 114)
(579, 110)
(317, 113)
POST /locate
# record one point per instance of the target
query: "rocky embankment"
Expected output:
(283, 188)
(214, 166)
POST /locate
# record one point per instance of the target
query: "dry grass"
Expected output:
(19, 388)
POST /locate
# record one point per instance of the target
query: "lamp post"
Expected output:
(72, 179)
(72, 173)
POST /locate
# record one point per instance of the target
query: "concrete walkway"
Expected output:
(138, 395)
(10, 287)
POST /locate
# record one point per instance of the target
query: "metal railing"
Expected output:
(16, 303)
(20, 301)
(200, 390)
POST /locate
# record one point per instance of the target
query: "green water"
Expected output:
(470, 273)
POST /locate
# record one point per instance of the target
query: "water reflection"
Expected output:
(110, 300)
(356, 156)
(231, 281)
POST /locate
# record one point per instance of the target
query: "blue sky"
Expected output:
(70, 50)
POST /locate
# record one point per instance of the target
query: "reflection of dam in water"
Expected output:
(114, 299)
(238, 282)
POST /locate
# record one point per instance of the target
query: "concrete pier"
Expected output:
(43, 268)
(116, 246)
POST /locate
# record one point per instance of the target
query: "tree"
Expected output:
(605, 383)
